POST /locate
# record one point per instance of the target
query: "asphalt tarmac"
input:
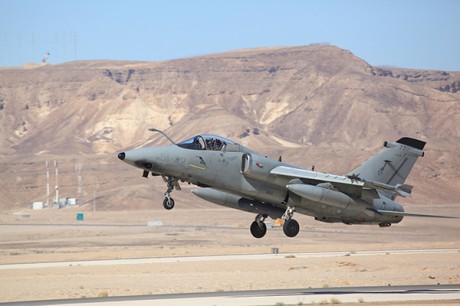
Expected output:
(436, 293)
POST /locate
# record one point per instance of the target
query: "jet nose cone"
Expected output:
(122, 155)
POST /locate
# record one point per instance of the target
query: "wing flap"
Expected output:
(307, 174)
(400, 189)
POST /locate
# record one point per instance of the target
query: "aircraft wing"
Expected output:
(342, 183)
(351, 185)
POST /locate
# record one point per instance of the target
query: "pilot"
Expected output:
(218, 144)
(208, 144)
(213, 144)
(199, 143)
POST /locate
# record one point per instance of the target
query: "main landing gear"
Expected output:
(171, 182)
(290, 228)
(258, 227)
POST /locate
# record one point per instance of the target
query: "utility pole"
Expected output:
(47, 184)
(56, 187)
(78, 168)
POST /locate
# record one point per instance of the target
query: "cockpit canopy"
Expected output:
(211, 143)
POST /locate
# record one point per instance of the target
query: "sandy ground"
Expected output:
(56, 235)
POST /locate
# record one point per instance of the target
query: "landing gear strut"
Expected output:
(168, 202)
(291, 227)
(258, 227)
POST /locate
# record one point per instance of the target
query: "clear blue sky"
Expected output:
(422, 34)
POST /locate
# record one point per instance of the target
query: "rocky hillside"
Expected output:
(314, 105)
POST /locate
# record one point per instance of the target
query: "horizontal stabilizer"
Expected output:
(412, 142)
(404, 190)
(404, 214)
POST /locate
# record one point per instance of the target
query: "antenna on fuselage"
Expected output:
(164, 134)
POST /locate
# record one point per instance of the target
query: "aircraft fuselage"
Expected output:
(242, 180)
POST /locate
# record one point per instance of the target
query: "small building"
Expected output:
(63, 202)
(37, 205)
(71, 201)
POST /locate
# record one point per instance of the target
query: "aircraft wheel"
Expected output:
(258, 231)
(291, 228)
(168, 203)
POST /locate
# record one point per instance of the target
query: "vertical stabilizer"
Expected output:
(393, 164)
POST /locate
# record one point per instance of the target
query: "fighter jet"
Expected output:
(234, 176)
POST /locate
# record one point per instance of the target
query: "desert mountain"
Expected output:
(314, 105)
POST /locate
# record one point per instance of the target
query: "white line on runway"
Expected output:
(282, 300)
(153, 260)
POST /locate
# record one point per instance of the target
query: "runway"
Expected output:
(401, 294)
(435, 292)
(153, 260)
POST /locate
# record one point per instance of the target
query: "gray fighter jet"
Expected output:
(234, 176)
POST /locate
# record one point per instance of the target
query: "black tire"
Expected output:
(291, 228)
(168, 203)
(258, 231)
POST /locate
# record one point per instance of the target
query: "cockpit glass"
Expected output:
(209, 142)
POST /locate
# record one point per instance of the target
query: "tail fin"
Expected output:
(392, 164)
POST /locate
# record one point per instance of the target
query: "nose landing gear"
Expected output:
(168, 203)
(171, 182)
